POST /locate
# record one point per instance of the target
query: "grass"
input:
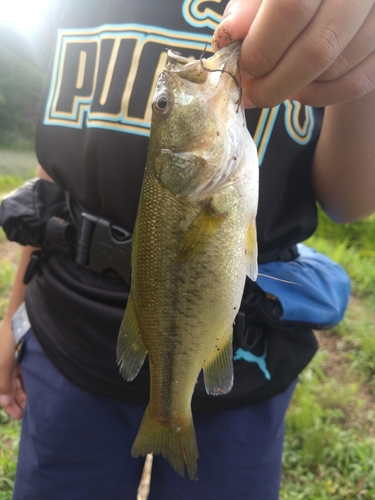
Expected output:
(16, 166)
(329, 448)
(330, 432)
(18, 163)
(9, 439)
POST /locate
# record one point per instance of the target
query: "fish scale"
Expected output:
(194, 242)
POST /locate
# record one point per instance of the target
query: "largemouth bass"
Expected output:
(194, 242)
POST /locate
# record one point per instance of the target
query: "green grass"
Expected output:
(9, 183)
(353, 247)
(329, 452)
(7, 272)
(18, 163)
(330, 432)
(9, 429)
(9, 439)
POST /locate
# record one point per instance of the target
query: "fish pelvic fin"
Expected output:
(131, 351)
(252, 251)
(176, 442)
(218, 369)
(200, 233)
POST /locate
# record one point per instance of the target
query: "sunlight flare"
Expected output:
(22, 14)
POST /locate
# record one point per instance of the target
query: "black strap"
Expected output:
(60, 237)
(103, 247)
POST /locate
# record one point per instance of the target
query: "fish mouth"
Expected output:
(225, 60)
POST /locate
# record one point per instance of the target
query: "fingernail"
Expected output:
(227, 10)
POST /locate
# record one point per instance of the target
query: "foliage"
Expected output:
(353, 247)
(329, 453)
(9, 440)
(9, 183)
(14, 166)
(9, 429)
(357, 235)
(20, 92)
(7, 272)
(330, 436)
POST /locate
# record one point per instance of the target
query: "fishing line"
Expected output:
(237, 81)
(279, 279)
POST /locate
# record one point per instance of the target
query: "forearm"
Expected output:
(12, 394)
(18, 290)
(344, 161)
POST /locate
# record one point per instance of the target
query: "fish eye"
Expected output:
(162, 104)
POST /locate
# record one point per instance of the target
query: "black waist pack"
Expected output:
(42, 214)
(32, 213)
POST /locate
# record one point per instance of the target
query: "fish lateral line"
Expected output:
(279, 279)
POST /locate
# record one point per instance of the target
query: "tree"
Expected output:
(20, 92)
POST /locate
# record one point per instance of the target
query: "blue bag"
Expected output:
(320, 291)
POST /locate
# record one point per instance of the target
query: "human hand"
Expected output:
(12, 392)
(319, 52)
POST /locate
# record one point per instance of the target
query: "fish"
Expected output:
(194, 243)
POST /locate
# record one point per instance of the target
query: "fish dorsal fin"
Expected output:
(252, 251)
(218, 369)
(200, 233)
(131, 351)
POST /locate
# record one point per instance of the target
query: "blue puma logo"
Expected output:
(251, 358)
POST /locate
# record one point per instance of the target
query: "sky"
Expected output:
(22, 14)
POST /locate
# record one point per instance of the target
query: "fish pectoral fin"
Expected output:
(218, 370)
(252, 251)
(200, 233)
(175, 441)
(131, 351)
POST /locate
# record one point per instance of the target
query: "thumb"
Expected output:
(237, 19)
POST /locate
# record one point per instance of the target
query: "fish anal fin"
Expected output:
(218, 369)
(200, 233)
(175, 441)
(252, 251)
(131, 351)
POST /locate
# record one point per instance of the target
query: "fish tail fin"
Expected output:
(176, 443)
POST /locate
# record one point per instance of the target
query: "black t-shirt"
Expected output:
(92, 139)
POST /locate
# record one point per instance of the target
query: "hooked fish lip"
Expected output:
(196, 71)
(230, 52)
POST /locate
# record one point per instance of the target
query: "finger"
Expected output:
(362, 45)
(20, 394)
(276, 26)
(314, 51)
(353, 85)
(14, 402)
(10, 405)
(237, 19)
(8, 402)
